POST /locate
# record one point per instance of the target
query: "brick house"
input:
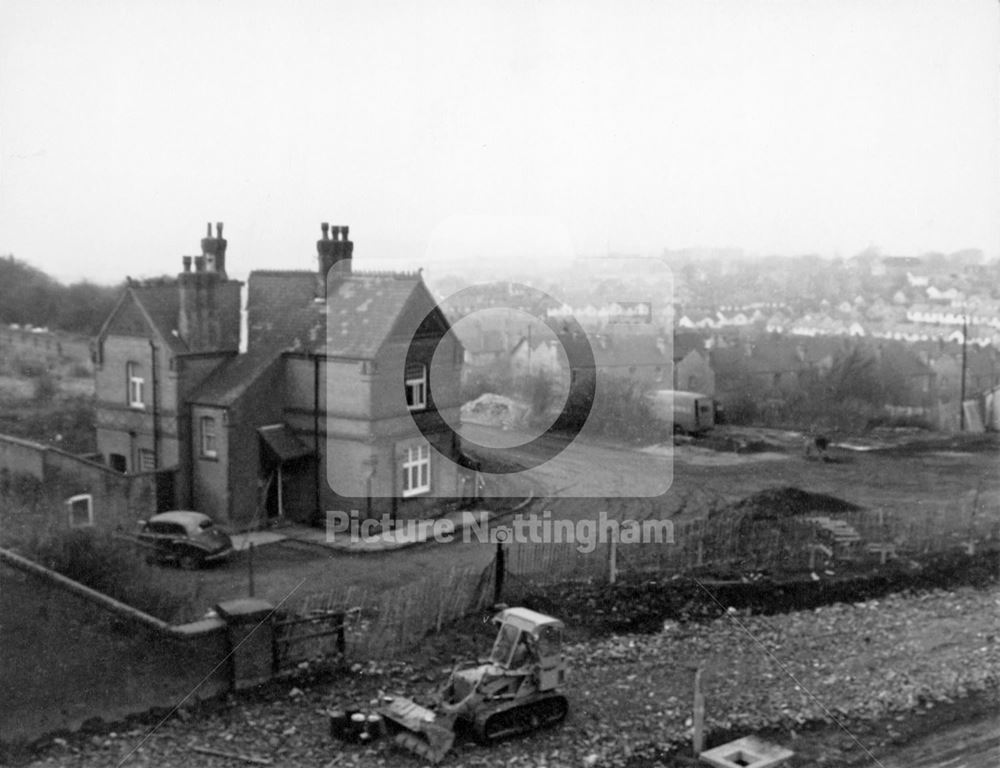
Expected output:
(318, 413)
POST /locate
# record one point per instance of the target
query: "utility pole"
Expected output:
(961, 396)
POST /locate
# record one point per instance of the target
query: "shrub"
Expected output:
(621, 411)
(107, 565)
(32, 369)
(46, 388)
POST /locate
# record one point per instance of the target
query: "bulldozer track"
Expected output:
(523, 719)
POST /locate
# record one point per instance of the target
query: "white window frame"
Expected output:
(416, 389)
(136, 386)
(72, 501)
(416, 470)
(146, 454)
(208, 438)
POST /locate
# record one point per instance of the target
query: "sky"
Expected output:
(502, 132)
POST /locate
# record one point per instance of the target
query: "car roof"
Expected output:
(183, 517)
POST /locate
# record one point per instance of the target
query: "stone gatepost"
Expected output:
(251, 640)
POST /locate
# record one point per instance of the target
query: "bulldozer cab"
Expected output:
(529, 638)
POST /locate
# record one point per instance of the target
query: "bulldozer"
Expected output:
(515, 691)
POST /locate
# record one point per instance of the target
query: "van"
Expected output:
(690, 412)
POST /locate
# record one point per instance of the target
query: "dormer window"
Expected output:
(136, 385)
(416, 387)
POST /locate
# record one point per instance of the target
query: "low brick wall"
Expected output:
(68, 656)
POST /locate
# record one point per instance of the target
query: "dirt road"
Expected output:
(597, 475)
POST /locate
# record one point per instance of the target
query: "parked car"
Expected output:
(189, 539)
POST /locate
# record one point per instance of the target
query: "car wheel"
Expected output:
(188, 562)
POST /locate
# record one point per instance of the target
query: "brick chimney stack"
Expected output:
(214, 250)
(209, 303)
(334, 252)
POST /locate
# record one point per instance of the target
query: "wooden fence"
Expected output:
(746, 545)
(379, 624)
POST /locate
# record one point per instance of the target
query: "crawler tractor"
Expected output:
(515, 691)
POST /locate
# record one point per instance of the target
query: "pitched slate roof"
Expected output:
(616, 352)
(685, 343)
(162, 303)
(230, 380)
(363, 311)
(359, 315)
(159, 301)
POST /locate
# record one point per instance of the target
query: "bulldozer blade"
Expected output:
(432, 743)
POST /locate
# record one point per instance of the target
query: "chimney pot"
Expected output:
(326, 230)
(344, 232)
(186, 260)
(218, 230)
(199, 263)
(208, 229)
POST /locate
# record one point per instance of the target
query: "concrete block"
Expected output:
(748, 752)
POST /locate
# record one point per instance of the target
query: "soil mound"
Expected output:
(780, 503)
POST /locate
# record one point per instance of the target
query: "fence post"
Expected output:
(612, 560)
(250, 567)
(500, 569)
(698, 738)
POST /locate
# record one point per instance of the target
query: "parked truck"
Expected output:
(691, 413)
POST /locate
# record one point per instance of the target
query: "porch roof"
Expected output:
(282, 440)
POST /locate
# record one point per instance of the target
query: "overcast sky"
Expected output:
(493, 130)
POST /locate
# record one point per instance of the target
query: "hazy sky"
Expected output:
(493, 130)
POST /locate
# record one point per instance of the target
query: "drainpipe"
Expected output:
(156, 419)
(318, 513)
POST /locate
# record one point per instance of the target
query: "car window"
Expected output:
(205, 525)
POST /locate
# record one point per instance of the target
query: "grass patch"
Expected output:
(112, 567)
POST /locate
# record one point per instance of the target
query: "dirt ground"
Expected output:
(917, 484)
(889, 672)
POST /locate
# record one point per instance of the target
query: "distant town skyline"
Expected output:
(510, 133)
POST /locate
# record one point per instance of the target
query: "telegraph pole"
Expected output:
(961, 397)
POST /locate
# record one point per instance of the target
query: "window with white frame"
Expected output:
(209, 449)
(417, 470)
(147, 460)
(416, 386)
(136, 384)
(81, 510)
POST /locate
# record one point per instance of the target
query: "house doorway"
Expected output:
(281, 458)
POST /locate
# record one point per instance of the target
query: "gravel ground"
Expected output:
(630, 695)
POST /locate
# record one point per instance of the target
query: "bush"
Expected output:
(107, 565)
(621, 411)
(32, 369)
(46, 388)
